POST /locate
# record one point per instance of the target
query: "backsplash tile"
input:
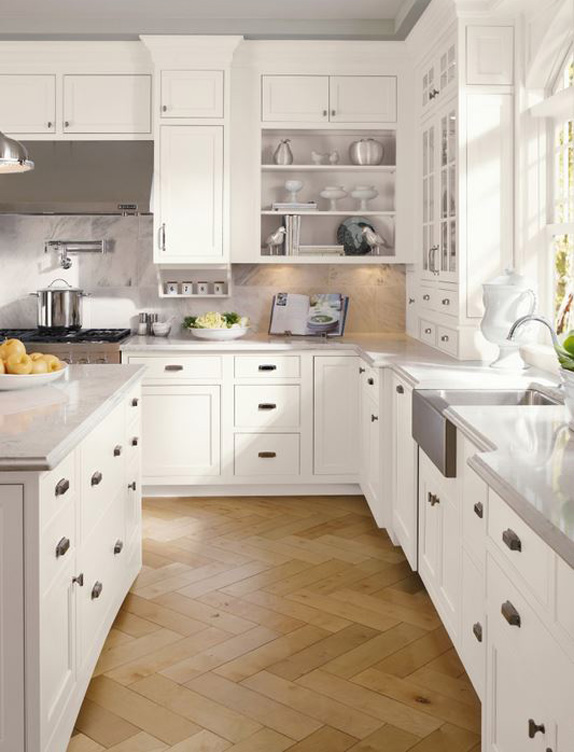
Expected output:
(123, 281)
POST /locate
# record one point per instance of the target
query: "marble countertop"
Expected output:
(39, 427)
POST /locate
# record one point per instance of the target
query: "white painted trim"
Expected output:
(559, 106)
(198, 52)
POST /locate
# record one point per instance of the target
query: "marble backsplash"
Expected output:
(123, 281)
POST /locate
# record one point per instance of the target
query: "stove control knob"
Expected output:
(83, 361)
(102, 360)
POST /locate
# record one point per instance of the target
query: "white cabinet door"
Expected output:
(28, 103)
(404, 479)
(107, 104)
(363, 99)
(429, 523)
(190, 222)
(181, 431)
(371, 459)
(192, 94)
(57, 649)
(11, 619)
(337, 416)
(295, 99)
(490, 55)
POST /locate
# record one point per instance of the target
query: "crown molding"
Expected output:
(201, 51)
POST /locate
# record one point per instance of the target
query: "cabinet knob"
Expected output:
(162, 237)
(535, 728)
(479, 509)
(50, 124)
(135, 441)
(267, 455)
(400, 389)
(444, 338)
(135, 402)
(445, 301)
(174, 368)
(371, 382)
(62, 487)
(164, 108)
(62, 547)
(511, 540)
(66, 123)
(118, 547)
(78, 580)
(411, 301)
(510, 614)
(426, 297)
(325, 113)
(97, 590)
(433, 499)
(267, 406)
(361, 369)
(333, 113)
(433, 93)
(97, 478)
(374, 418)
(477, 631)
(428, 330)
(268, 367)
(117, 451)
(132, 486)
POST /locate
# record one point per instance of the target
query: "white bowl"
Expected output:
(220, 335)
(161, 328)
(14, 381)
(568, 379)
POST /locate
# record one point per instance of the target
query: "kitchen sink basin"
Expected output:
(436, 435)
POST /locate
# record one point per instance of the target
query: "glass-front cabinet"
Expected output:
(440, 196)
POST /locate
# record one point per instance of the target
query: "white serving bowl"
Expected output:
(568, 380)
(13, 381)
(220, 335)
(161, 328)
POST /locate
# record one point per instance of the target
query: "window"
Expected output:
(563, 209)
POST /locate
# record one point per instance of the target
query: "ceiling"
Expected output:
(269, 19)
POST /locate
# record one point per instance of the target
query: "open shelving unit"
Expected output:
(319, 226)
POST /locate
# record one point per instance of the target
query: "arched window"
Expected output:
(562, 218)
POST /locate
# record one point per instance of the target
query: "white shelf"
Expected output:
(327, 168)
(319, 213)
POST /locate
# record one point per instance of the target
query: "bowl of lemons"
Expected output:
(22, 370)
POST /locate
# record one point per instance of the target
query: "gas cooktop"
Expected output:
(81, 336)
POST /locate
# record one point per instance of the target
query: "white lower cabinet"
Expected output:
(337, 416)
(181, 429)
(440, 543)
(11, 618)
(404, 471)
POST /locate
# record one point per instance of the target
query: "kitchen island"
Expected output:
(70, 542)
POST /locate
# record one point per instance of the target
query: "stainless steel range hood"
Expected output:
(81, 177)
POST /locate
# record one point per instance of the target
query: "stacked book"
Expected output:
(294, 207)
(292, 224)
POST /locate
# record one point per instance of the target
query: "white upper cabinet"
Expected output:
(329, 99)
(107, 104)
(192, 94)
(190, 219)
(363, 99)
(438, 76)
(490, 55)
(295, 99)
(28, 103)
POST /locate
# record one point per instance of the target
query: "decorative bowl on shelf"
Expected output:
(364, 194)
(333, 193)
(293, 187)
(17, 381)
(220, 335)
(366, 152)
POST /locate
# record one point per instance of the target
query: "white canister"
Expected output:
(219, 288)
(187, 288)
(506, 298)
(203, 288)
(171, 288)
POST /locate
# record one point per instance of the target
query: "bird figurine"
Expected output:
(318, 158)
(374, 240)
(275, 241)
(334, 157)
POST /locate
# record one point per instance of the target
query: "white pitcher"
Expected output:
(506, 298)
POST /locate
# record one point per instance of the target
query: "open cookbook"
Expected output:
(323, 314)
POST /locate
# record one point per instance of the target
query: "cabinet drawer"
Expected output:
(447, 340)
(427, 332)
(268, 406)
(528, 553)
(268, 366)
(266, 454)
(56, 488)
(180, 367)
(446, 301)
(57, 544)
(473, 628)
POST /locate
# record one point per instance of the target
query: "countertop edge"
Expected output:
(544, 528)
(60, 452)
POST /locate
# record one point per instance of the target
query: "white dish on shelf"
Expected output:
(16, 381)
(220, 335)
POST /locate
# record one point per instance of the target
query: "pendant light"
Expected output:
(13, 156)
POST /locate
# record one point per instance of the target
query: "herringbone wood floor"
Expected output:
(270, 624)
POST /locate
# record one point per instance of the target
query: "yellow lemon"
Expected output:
(13, 347)
(39, 366)
(19, 363)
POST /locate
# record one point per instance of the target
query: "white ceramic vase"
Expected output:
(506, 299)
(333, 193)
